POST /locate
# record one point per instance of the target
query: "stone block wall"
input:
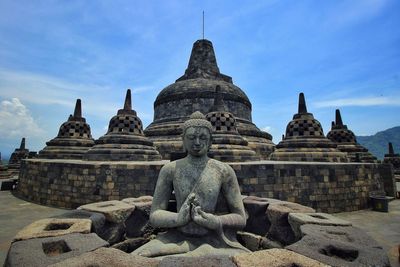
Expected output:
(72, 183)
(327, 187)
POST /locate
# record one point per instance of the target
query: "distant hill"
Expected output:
(377, 144)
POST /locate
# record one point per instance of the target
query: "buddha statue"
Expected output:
(196, 229)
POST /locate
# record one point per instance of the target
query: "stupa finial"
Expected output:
(22, 145)
(332, 124)
(219, 104)
(128, 100)
(391, 150)
(78, 109)
(338, 118)
(302, 104)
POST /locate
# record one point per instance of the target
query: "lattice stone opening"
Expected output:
(57, 226)
(55, 248)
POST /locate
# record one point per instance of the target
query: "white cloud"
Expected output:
(16, 120)
(266, 129)
(363, 102)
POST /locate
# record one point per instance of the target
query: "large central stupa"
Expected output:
(195, 91)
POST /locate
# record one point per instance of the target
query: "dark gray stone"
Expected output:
(45, 251)
(209, 261)
(112, 232)
(340, 246)
(131, 244)
(257, 221)
(137, 223)
(98, 219)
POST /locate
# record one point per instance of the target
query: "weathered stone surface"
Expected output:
(40, 252)
(339, 246)
(274, 258)
(54, 227)
(114, 210)
(298, 219)
(131, 244)
(267, 243)
(137, 224)
(250, 240)
(208, 261)
(277, 213)
(112, 232)
(98, 219)
(257, 221)
(107, 257)
(138, 201)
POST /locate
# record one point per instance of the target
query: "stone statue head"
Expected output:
(197, 136)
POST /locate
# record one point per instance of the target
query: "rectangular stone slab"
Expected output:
(54, 227)
(49, 250)
(298, 219)
(114, 210)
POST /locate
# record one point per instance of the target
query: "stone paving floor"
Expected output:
(383, 227)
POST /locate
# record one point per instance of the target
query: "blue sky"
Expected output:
(341, 54)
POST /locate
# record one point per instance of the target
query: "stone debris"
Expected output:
(54, 227)
(274, 258)
(257, 221)
(277, 213)
(115, 211)
(107, 257)
(298, 219)
(340, 246)
(38, 252)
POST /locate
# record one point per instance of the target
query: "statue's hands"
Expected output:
(184, 212)
(205, 219)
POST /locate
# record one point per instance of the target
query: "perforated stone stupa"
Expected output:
(124, 139)
(73, 140)
(394, 159)
(16, 157)
(305, 140)
(227, 144)
(346, 141)
(195, 91)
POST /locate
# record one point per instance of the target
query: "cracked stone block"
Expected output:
(280, 229)
(98, 219)
(54, 227)
(132, 244)
(114, 210)
(343, 246)
(298, 219)
(257, 221)
(49, 250)
(106, 257)
(249, 240)
(274, 258)
(137, 224)
(209, 261)
(139, 201)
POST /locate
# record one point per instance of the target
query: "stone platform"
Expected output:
(20, 213)
(326, 187)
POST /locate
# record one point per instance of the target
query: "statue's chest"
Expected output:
(205, 183)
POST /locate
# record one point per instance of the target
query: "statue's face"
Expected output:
(197, 141)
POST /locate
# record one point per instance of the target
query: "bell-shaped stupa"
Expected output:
(346, 141)
(195, 91)
(227, 144)
(394, 159)
(124, 139)
(73, 139)
(305, 141)
(16, 158)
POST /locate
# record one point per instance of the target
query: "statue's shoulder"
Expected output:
(221, 166)
(168, 168)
